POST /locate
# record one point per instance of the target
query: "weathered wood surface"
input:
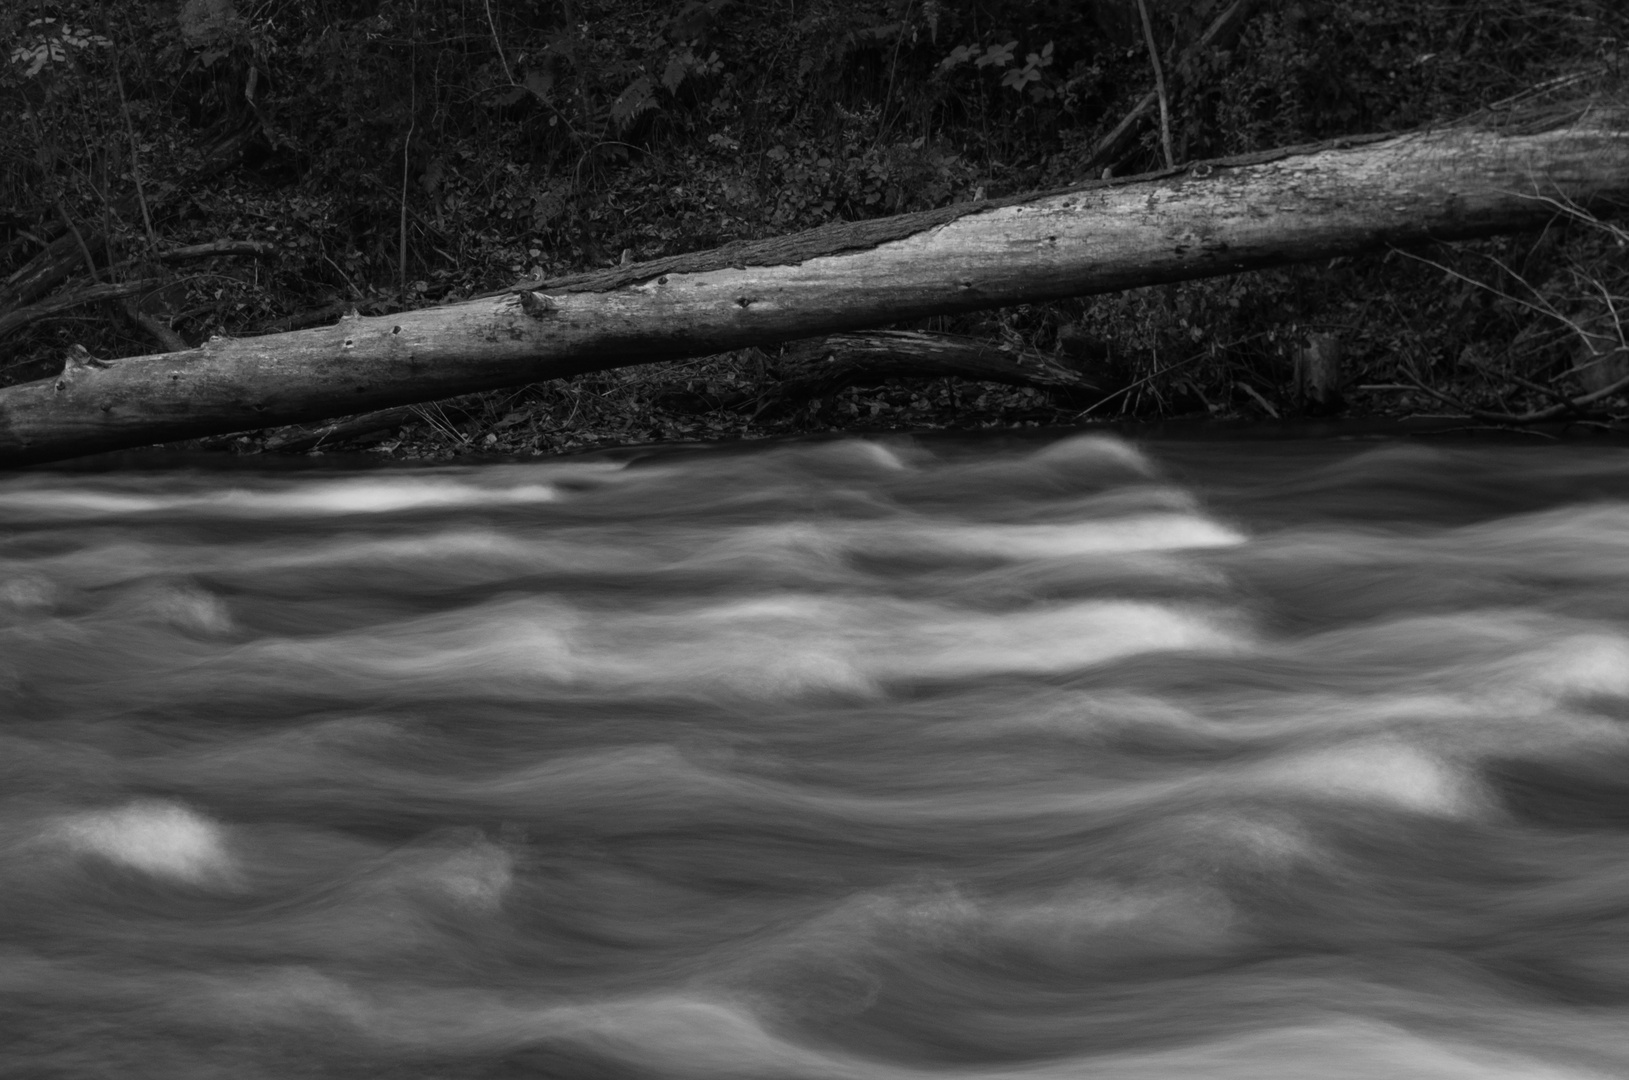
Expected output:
(1211, 218)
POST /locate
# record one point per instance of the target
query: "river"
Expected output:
(898, 759)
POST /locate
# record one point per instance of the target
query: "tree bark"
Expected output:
(1220, 217)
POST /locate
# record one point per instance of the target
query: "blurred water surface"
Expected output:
(886, 759)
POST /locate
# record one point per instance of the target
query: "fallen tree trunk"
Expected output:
(1220, 217)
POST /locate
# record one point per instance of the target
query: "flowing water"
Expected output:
(886, 759)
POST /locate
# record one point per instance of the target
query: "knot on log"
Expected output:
(537, 305)
(78, 361)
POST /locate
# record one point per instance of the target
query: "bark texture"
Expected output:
(1219, 217)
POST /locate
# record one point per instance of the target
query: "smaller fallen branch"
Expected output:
(821, 367)
(64, 255)
(19, 317)
(16, 319)
(155, 328)
(341, 431)
(216, 247)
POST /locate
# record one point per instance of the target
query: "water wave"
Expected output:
(857, 759)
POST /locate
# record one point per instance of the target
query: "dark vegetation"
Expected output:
(385, 154)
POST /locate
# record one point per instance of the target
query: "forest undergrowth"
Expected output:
(170, 172)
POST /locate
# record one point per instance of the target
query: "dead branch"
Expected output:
(821, 367)
(11, 321)
(1110, 147)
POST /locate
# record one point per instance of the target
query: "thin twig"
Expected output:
(407, 145)
(1604, 392)
(1108, 147)
(135, 158)
(1537, 387)
(1558, 83)
(1568, 208)
(1108, 144)
(439, 423)
(893, 67)
(1450, 400)
(1543, 308)
(79, 238)
(496, 44)
(1611, 303)
(356, 294)
(1491, 427)
(1532, 416)
(1159, 84)
(1136, 385)
(1263, 402)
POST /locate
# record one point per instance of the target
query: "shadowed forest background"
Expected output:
(170, 172)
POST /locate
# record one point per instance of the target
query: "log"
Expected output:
(1496, 174)
(821, 367)
(342, 431)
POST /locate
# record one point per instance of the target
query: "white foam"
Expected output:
(82, 502)
(785, 643)
(375, 493)
(475, 877)
(1381, 772)
(689, 1035)
(1074, 539)
(1062, 638)
(188, 609)
(28, 593)
(1082, 924)
(1267, 844)
(1336, 1049)
(1584, 664)
(386, 495)
(164, 839)
(1095, 450)
(860, 452)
